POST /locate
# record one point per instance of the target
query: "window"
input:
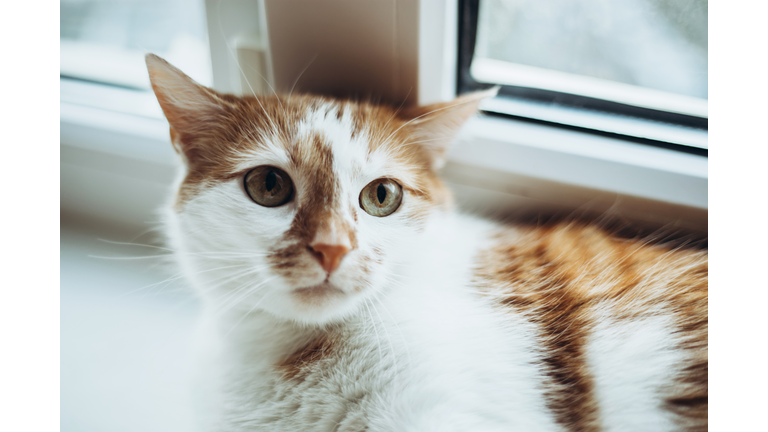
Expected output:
(105, 41)
(636, 69)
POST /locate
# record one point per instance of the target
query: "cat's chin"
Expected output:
(317, 295)
(319, 304)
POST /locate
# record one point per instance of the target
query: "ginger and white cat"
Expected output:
(342, 292)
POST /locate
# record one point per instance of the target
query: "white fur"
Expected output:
(632, 362)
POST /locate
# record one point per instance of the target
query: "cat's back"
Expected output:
(622, 323)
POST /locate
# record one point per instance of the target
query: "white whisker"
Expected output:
(378, 342)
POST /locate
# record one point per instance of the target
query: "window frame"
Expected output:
(608, 115)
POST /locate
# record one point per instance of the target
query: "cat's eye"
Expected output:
(268, 186)
(381, 197)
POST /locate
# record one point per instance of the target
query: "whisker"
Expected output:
(378, 342)
(397, 326)
(426, 114)
(116, 258)
(177, 276)
(234, 296)
(232, 53)
(386, 332)
(134, 244)
(300, 74)
(251, 309)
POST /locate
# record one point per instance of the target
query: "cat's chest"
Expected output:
(446, 356)
(289, 379)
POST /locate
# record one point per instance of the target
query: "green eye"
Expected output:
(268, 186)
(381, 197)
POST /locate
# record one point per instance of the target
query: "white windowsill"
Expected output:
(605, 164)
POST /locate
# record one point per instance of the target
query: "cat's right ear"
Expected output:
(436, 125)
(190, 108)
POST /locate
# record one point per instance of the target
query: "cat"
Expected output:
(343, 292)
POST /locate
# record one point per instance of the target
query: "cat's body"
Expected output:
(427, 354)
(326, 309)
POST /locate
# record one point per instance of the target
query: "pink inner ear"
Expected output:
(437, 124)
(186, 104)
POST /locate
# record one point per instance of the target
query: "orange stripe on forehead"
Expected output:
(313, 159)
(311, 154)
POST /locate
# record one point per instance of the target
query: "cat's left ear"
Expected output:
(192, 110)
(435, 126)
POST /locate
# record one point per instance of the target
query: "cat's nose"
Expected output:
(329, 255)
(332, 241)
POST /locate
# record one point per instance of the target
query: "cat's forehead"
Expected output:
(332, 138)
(331, 134)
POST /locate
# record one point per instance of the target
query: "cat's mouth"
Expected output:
(317, 293)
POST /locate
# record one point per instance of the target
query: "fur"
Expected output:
(434, 320)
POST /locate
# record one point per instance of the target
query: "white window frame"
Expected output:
(118, 136)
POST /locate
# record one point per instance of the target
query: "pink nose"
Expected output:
(329, 256)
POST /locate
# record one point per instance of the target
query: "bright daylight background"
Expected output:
(126, 321)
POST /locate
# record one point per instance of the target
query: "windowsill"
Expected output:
(113, 120)
(518, 167)
(606, 164)
(126, 336)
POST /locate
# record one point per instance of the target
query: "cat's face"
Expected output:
(303, 207)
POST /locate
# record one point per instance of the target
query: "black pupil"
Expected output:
(381, 193)
(271, 180)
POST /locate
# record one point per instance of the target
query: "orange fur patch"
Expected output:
(566, 276)
(298, 363)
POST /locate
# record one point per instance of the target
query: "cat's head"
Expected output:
(300, 206)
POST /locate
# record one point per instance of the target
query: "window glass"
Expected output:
(653, 44)
(105, 40)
